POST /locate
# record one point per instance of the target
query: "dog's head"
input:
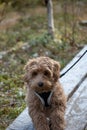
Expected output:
(41, 74)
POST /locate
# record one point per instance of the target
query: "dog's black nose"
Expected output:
(40, 84)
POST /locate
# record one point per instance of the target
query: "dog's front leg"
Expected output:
(57, 120)
(39, 120)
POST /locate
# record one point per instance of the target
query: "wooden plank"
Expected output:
(70, 82)
(76, 113)
(76, 75)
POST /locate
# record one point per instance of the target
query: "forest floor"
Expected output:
(23, 35)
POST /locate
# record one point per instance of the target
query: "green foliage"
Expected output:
(11, 97)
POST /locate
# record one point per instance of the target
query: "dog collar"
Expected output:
(45, 97)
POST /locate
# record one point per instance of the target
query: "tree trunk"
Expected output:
(50, 18)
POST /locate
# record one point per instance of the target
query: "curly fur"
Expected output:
(45, 96)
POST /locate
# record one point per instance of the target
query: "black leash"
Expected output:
(73, 64)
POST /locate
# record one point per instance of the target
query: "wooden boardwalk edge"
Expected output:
(76, 113)
(76, 75)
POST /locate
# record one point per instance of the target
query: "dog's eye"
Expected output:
(46, 73)
(34, 73)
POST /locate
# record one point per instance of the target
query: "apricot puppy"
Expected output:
(45, 97)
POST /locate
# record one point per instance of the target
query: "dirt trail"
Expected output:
(11, 18)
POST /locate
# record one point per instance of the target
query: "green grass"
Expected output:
(26, 39)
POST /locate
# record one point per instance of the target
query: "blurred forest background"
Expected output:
(23, 35)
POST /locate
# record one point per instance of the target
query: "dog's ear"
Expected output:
(30, 64)
(26, 77)
(56, 71)
(27, 69)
